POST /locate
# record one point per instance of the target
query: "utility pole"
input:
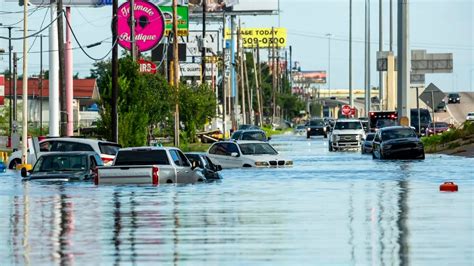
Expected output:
(274, 81)
(132, 30)
(176, 71)
(15, 75)
(234, 96)
(62, 79)
(257, 88)
(329, 35)
(241, 71)
(24, 142)
(260, 84)
(54, 110)
(380, 50)
(351, 95)
(203, 46)
(224, 79)
(113, 102)
(69, 94)
(41, 84)
(367, 57)
(403, 77)
(391, 26)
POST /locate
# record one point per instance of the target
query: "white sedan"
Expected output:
(232, 154)
(470, 116)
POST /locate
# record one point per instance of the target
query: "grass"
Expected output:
(270, 131)
(449, 139)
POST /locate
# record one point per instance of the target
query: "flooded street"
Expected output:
(329, 208)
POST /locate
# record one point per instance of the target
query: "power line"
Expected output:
(31, 35)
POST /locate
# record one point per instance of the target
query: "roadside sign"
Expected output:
(2, 89)
(432, 95)
(264, 37)
(346, 110)
(194, 43)
(183, 19)
(146, 66)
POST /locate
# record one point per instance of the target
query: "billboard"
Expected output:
(194, 70)
(149, 28)
(234, 6)
(261, 37)
(83, 3)
(211, 42)
(310, 77)
(183, 19)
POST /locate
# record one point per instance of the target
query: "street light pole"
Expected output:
(351, 99)
(367, 57)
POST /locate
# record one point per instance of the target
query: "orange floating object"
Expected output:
(449, 187)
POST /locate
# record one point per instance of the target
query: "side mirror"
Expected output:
(234, 154)
(269, 138)
(24, 172)
(218, 167)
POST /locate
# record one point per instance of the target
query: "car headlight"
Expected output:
(308, 129)
(262, 164)
(289, 163)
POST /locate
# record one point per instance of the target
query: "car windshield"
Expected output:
(400, 133)
(257, 149)
(453, 95)
(253, 135)
(109, 148)
(316, 123)
(51, 163)
(439, 124)
(300, 127)
(369, 137)
(348, 125)
(385, 123)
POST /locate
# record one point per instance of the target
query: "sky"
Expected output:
(439, 26)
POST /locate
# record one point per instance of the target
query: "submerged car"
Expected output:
(300, 130)
(251, 134)
(64, 166)
(470, 116)
(397, 142)
(317, 127)
(346, 134)
(366, 146)
(436, 128)
(236, 154)
(209, 169)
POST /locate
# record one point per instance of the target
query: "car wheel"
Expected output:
(308, 136)
(14, 163)
(325, 136)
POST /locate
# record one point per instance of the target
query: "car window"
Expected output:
(257, 149)
(370, 137)
(61, 163)
(236, 135)
(184, 160)
(142, 157)
(93, 163)
(340, 125)
(398, 134)
(45, 146)
(209, 163)
(109, 148)
(377, 137)
(70, 146)
(316, 123)
(219, 149)
(98, 160)
(254, 135)
(195, 158)
(232, 147)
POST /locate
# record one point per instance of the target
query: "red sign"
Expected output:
(2, 89)
(346, 110)
(147, 66)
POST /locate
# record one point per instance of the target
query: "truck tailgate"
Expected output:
(127, 175)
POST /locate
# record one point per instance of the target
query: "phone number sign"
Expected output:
(261, 37)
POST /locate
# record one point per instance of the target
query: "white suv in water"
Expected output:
(346, 134)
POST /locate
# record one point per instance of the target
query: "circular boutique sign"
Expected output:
(149, 25)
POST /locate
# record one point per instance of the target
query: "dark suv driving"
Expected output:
(454, 98)
(316, 127)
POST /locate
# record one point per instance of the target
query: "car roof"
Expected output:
(196, 153)
(242, 141)
(347, 120)
(69, 153)
(79, 140)
(394, 127)
(249, 130)
(151, 148)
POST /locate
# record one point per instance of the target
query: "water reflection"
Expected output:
(330, 208)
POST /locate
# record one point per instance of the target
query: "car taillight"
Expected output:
(107, 160)
(155, 177)
(95, 173)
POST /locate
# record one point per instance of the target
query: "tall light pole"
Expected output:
(351, 99)
(367, 57)
(403, 76)
(113, 102)
(41, 83)
(329, 35)
(176, 71)
(380, 50)
(24, 142)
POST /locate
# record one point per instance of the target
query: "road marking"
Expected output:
(454, 118)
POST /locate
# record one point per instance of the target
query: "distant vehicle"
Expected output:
(236, 154)
(441, 107)
(346, 134)
(366, 146)
(436, 128)
(247, 126)
(300, 130)
(381, 115)
(209, 169)
(252, 134)
(470, 116)
(105, 149)
(397, 142)
(64, 166)
(316, 127)
(454, 98)
(149, 165)
(381, 123)
(365, 123)
(425, 120)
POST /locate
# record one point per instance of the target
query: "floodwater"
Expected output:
(339, 208)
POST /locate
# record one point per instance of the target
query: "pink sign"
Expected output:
(149, 25)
